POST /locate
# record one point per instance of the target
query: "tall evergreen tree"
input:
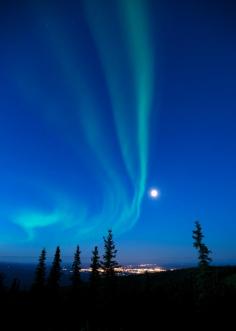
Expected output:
(203, 251)
(40, 272)
(94, 298)
(109, 263)
(55, 272)
(76, 267)
(95, 265)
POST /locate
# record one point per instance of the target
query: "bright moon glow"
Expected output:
(154, 193)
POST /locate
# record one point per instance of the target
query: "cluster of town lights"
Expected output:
(140, 269)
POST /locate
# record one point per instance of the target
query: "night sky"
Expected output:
(100, 102)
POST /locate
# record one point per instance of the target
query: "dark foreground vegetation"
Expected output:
(183, 299)
(142, 302)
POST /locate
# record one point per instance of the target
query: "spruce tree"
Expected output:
(40, 272)
(94, 298)
(95, 265)
(203, 280)
(55, 272)
(109, 263)
(203, 251)
(76, 267)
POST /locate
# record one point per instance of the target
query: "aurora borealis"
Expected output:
(120, 184)
(103, 100)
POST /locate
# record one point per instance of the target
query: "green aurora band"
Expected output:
(121, 207)
(135, 26)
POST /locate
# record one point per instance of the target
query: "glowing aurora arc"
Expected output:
(140, 48)
(135, 28)
(121, 207)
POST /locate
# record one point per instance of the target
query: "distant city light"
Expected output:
(129, 269)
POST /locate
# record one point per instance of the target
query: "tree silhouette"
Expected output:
(109, 263)
(76, 267)
(94, 302)
(203, 279)
(110, 283)
(40, 272)
(55, 272)
(95, 265)
(203, 251)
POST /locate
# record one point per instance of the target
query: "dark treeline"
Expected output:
(108, 302)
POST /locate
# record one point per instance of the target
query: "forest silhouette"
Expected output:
(109, 302)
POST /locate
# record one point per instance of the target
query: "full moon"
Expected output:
(154, 193)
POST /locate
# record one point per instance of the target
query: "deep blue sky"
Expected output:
(99, 103)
